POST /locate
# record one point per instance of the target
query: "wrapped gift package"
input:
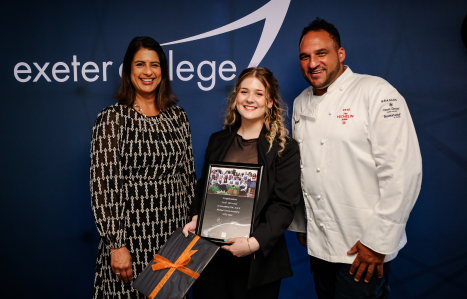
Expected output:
(175, 267)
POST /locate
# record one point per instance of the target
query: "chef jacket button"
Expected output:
(301, 166)
(299, 141)
(330, 112)
(318, 169)
(306, 194)
(322, 142)
(341, 88)
(318, 197)
(311, 220)
(321, 225)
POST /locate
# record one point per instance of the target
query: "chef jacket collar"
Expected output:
(335, 85)
(347, 73)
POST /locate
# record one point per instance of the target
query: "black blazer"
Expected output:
(280, 193)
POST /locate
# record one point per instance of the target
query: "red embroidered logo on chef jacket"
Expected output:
(346, 116)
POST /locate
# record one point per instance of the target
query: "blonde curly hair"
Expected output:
(274, 116)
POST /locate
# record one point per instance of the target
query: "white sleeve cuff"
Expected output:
(383, 236)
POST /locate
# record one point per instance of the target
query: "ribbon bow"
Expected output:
(183, 260)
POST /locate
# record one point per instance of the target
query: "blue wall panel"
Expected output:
(49, 240)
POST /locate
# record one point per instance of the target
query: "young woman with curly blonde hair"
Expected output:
(254, 132)
(274, 116)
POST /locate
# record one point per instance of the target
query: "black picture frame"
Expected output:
(226, 213)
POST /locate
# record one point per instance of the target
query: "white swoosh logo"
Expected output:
(274, 12)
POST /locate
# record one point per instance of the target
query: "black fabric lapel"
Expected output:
(267, 156)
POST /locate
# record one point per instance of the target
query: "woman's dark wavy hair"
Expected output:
(126, 92)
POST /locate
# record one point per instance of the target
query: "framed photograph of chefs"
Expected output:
(228, 206)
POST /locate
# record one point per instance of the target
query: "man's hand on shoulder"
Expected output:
(366, 258)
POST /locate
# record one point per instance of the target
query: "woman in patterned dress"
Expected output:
(142, 170)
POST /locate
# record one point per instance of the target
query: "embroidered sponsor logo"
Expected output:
(345, 116)
(391, 111)
(388, 100)
(394, 115)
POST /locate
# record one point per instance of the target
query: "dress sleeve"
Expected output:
(188, 170)
(398, 167)
(106, 198)
(196, 204)
(284, 199)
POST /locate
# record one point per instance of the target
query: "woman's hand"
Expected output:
(190, 226)
(120, 261)
(239, 247)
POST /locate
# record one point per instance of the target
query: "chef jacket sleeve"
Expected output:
(398, 165)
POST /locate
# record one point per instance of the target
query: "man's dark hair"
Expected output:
(320, 24)
(126, 92)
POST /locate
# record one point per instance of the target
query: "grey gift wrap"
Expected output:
(158, 283)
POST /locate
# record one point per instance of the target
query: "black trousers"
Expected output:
(226, 277)
(333, 281)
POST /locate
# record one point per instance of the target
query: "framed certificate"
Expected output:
(229, 201)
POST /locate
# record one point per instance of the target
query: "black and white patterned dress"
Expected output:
(142, 179)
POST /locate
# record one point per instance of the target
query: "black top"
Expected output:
(242, 151)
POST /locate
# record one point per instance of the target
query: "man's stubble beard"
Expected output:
(329, 79)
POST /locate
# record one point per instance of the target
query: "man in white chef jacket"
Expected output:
(361, 170)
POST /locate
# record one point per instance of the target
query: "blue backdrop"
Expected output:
(48, 237)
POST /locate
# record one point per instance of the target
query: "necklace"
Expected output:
(138, 108)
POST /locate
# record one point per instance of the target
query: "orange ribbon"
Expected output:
(182, 261)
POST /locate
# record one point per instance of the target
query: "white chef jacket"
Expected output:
(361, 167)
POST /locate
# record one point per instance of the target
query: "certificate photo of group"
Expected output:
(229, 201)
